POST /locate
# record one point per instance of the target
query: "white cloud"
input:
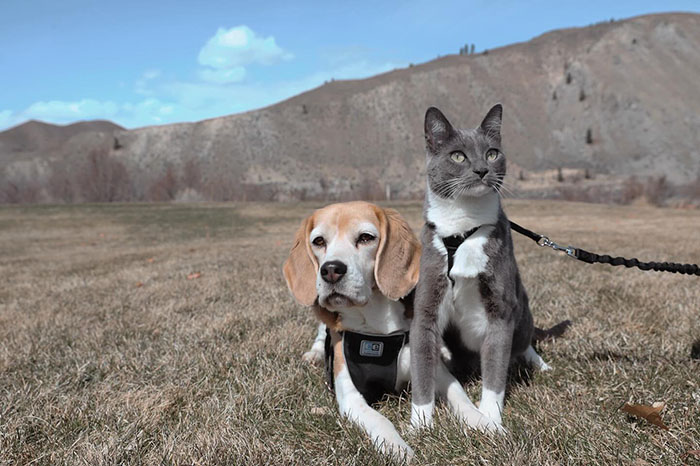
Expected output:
(151, 74)
(7, 119)
(214, 92)
(233, 75)
(58, 110)
(149, 111)
(200, 100)
(142, 84)
(240, 46)
(146, 112)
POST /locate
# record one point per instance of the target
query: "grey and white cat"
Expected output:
(481, 297)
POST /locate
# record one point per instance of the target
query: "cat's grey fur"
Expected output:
(486, 304)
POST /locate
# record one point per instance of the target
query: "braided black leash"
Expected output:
(592, 258)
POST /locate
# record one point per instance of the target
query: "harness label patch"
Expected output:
(372, 349)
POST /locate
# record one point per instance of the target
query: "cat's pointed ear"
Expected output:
(492, 122)
(437, 129)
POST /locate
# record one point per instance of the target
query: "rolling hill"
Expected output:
(615, 99)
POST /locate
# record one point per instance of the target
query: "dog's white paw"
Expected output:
(314, 357)
(398, 449)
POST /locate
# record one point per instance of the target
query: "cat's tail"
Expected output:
(550, 333)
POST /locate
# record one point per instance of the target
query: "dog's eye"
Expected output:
(365, 238)
(319, 241)
(491, 155)
(458, 156)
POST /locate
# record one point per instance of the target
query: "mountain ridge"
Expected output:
(616, 98)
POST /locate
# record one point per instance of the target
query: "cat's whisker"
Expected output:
(503, 194)
(507, 190)
(463, 189)
(505, 186)
(448, 188)
(509, 185)
(445, 189)
(513, 190)
(499, 189)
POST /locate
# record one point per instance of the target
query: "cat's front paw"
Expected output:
(492, 426)
(544, 367)
(491, 420)
(483, 423)
(421, 418)
(418, 425)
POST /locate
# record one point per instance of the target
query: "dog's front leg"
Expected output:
(353, 405)
(315, 354)
(495, 359)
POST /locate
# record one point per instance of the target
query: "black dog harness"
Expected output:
(452, 243)
(372, 361)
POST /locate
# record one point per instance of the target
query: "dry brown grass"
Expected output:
(95, 369)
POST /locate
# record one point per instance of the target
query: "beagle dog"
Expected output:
(356, 265)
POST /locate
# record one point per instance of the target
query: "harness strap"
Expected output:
(452, 243)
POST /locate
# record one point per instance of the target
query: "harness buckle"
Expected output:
(569, 250)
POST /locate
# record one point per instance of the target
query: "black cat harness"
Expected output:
(452, 243)
(372, 361)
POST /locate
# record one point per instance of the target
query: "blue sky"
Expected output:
(141, 63)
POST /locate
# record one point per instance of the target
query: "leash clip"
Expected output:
(569, 250)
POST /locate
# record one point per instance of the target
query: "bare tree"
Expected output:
(191, 175)
(632, 189)
(164, 188)
(60, 185)
(20, 188)
(658, 190)
(221, 188)
(102, 178)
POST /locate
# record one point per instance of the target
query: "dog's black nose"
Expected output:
(481, 172)
(333, 271)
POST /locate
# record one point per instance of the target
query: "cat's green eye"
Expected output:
(491, 155)
(458, 157)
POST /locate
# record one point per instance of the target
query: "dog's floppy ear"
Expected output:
(301, 266)
(398, 256)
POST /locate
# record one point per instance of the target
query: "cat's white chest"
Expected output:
(470, 258)
(469, 314)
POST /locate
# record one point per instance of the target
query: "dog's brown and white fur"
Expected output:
(379, 256)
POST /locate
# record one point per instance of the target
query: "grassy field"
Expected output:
(109, 354)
